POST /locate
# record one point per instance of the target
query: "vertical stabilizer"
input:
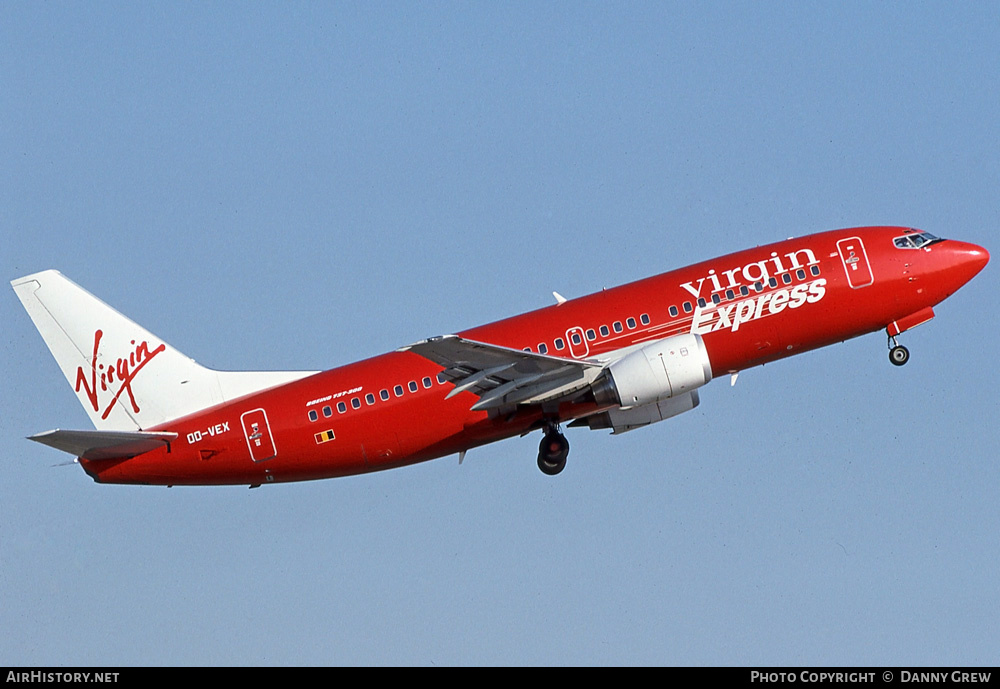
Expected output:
(125, 377)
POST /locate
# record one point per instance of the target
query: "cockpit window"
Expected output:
(917, 240)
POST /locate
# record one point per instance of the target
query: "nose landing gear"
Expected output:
(898, 354)
(552, 451)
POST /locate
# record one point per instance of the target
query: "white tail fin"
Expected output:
(125, 377)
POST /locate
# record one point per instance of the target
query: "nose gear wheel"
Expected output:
(898, 354)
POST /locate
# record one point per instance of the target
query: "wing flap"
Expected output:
(501, 376)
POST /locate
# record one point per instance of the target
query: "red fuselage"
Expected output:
(756, 306)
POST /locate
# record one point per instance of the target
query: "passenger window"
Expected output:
(398, 390)
(543, 348)
(384, 394)
(773, 282)
(413, 386)
(370, 398)
(687, 307)
(526, 349)
(814, 270)
(576, 338)
(604, 331)
(617, 325)
(591, 335)
(673, 310)
(630, 322)
(560, 344)
(356, 403)
(341, 407)
(313, 416)
(701, 302)
(786, 278)
(644, 318)
(730, 294)
(327, 412)
(800, 274)
(744, 291)
(715, 298)
(426, 381)
(441, 379)
(758, 286)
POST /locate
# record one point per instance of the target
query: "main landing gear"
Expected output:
(898, 354)
(552, 451)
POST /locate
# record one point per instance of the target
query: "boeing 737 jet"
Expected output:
(617, 359)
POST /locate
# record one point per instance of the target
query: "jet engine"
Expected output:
(652, 383)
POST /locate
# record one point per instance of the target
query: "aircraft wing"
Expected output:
(504, 377)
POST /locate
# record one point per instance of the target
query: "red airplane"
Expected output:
(618, 359)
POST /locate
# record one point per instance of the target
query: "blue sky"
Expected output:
(300, 185)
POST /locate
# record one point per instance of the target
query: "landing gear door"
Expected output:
(258, 434)
(855, 260)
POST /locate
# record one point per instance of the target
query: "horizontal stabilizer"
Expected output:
(104, 444)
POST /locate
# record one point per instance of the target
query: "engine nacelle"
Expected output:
(658, 371)
(622, 420)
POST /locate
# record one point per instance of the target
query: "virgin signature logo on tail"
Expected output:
(122, 372)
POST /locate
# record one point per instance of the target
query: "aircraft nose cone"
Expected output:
(979, 256)
(967, 260)
(974, 257)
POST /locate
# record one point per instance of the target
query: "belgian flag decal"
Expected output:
(323, 437)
